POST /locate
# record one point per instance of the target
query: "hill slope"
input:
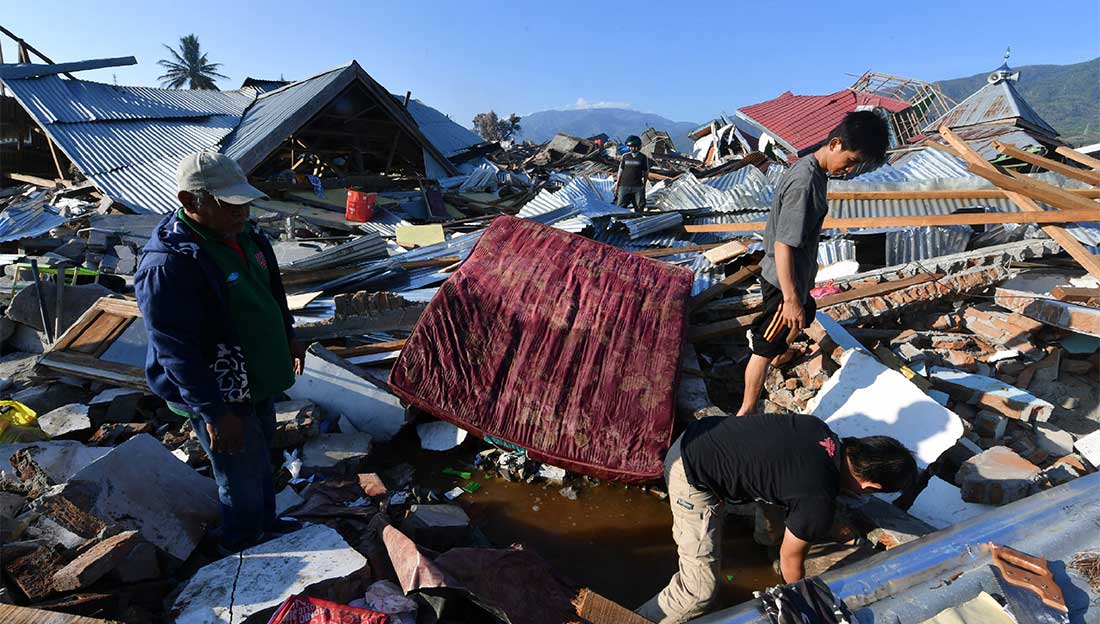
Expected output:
(1066, 96)
(617, 123)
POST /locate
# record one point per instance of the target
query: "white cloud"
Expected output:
(582, 103)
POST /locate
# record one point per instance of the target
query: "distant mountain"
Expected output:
(617, 123)
(1066, 96)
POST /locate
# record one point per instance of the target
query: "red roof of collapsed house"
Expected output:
(803, 121)
(556, 343)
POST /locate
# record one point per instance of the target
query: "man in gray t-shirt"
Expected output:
(790, 240)
(795, 220)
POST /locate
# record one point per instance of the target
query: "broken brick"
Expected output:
(95, 562)
(113, 434)
(996, 477)
(33, 573)
(990, 425)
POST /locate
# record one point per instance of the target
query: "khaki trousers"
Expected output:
(697, 520)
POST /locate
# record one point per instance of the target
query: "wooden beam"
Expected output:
(875, 290)
(1084, 175)
(970, 218)
(51, 69)
(1075, 295)
(1078, 157)
(1034, 189)
(56, 162)
(721, 287)
(671, 251)
(721, 329)
(1072, 246)
(941, 194)
(369, 349)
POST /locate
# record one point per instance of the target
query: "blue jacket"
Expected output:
(194, 356)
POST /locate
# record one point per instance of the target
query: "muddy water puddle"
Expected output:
(616, 540)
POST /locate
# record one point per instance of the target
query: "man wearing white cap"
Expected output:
(221, 339)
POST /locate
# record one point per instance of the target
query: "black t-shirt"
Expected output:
(784, 459)
(633, 168)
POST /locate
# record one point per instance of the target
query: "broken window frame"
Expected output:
(79, 350)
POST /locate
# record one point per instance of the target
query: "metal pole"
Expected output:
(41, 301)
(59, 300)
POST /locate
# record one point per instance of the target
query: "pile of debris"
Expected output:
(950, 317)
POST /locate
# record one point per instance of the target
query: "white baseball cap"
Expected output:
(218, 175)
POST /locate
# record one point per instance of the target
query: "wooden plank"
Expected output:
(721, 287)
(1084, 175)
(121, 307)
(940, 194)
(369, 349)
(721, 329)
(1035, 189)
(12, 614)
(1078, 157)
(93, 337)
(875, 290)
(1075, 295)
(671, 251)
(1072, 246)
(977, 218)
(77, 328)
(110, 338)
(29, 179)
(89, 367)
(726, 252)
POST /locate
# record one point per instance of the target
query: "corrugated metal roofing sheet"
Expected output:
(921, 243)
(51, 99)
(448, 136)
(803, 121)
(646, 226)
(279, 112)
(129, 140)
(755, 193)
(833, 250)
(925, 164)
(994, 102)
(29, 218)
(105, 146)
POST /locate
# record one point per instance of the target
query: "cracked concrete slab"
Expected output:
(249, 586)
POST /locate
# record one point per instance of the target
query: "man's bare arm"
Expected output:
(792, 554)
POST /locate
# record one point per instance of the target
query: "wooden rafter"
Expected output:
(1073, 247)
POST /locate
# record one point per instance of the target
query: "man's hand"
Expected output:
(227, 434)
(297, 356)
(791, 314)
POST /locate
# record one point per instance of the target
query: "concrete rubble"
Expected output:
(975, 343)
(247, 587)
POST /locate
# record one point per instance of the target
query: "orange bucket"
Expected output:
(360, 206)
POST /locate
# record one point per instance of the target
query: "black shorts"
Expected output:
(767, 337)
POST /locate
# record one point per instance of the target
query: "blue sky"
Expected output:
(686, 61)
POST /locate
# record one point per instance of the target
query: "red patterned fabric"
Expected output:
(566, 347)
(300, 609)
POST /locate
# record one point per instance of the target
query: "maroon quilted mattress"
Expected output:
(564, 346)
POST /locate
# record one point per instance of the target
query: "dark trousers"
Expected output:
(631, 196)
(244, 479)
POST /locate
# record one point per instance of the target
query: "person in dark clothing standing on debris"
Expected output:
(791, 460)
(790, 241)
(221, 339)
(631, 178)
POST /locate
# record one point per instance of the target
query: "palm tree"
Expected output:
(190, 67)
